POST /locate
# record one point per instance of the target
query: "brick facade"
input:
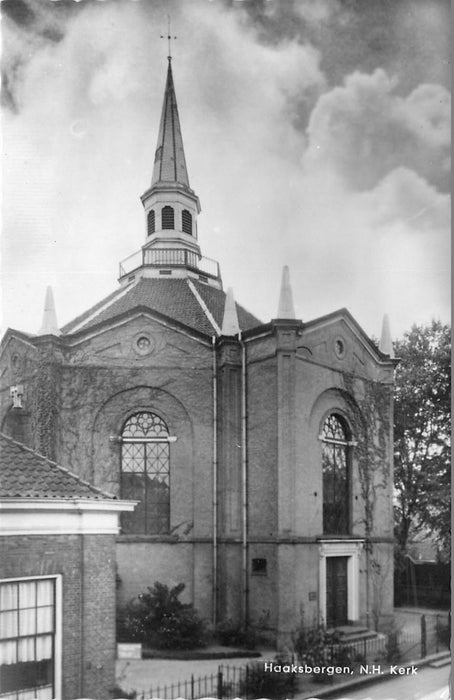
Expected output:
(294, 379)
(87, 566)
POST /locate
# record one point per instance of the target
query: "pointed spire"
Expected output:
(230, 325)
(386, 343)
(170, 163)
(286, 308)
(49, 325)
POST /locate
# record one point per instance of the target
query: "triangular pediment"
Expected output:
(338, 340)
(137, 338)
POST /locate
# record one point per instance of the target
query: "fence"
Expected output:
(429, 635)
(229, 682)
(422, 583)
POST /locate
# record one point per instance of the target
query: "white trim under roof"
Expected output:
(149, 315)
(46, 516)
(121, 293)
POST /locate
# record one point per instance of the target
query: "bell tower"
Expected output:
(171, 207)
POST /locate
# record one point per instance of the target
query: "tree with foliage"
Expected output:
(422, 426)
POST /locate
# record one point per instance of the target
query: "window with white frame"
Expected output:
(336, 443)
(27, 639)
(145, 474)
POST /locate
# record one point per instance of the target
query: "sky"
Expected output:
(316, 135)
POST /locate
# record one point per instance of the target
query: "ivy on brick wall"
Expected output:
(45, 398)
(371, 419)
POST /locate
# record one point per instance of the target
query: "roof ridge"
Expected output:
(52, 463)
(78, 323)
(204, 307)
(240, 308)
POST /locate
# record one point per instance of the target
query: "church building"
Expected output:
(259, 453)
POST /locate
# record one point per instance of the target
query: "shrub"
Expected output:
(393, 652)
(118, 692)
(129, 628)
(232, 634)
(258, 683)
(159, 619)
(315, 646)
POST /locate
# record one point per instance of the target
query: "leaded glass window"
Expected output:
(336, 489)
(27, 639)
(145, 474)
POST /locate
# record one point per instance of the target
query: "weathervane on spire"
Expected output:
(169, 38)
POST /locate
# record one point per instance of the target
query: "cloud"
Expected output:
(80, 148)
(335, 202)
(364, 130)
(406, 197)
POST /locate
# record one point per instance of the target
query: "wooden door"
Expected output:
(336, 591)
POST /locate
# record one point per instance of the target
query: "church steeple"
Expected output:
(170, 204)
(171, 245)
(169, 162)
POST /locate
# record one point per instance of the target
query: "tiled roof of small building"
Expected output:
(26, 474)
(172, 298)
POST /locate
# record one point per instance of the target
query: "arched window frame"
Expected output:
(186, 221)
(337, 445)
(151, 222)
(145, 473)
(167, 217)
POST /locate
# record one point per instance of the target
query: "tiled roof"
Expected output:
(172, 298)
(26, 474)
(215, 301)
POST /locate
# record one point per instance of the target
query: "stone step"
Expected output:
(355, 639)
(349, 634)
(346, 629)
(439, 663)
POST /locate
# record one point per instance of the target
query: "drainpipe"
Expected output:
(215, 484)
(244, 484)
(82, 601)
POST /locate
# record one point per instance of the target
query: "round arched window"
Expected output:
(145, 474)
(336, 487)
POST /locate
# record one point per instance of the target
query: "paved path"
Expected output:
(146, 673)
(143, 674)
(429, 684)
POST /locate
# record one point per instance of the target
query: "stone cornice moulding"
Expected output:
(40, 516)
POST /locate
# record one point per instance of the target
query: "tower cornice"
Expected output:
(173, 188)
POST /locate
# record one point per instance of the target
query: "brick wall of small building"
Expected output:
(87, 566)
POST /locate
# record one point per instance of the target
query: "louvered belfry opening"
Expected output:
(186, 221)
(151, 222)
(168, 217)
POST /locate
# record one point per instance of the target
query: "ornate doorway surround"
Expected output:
(341, 548)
